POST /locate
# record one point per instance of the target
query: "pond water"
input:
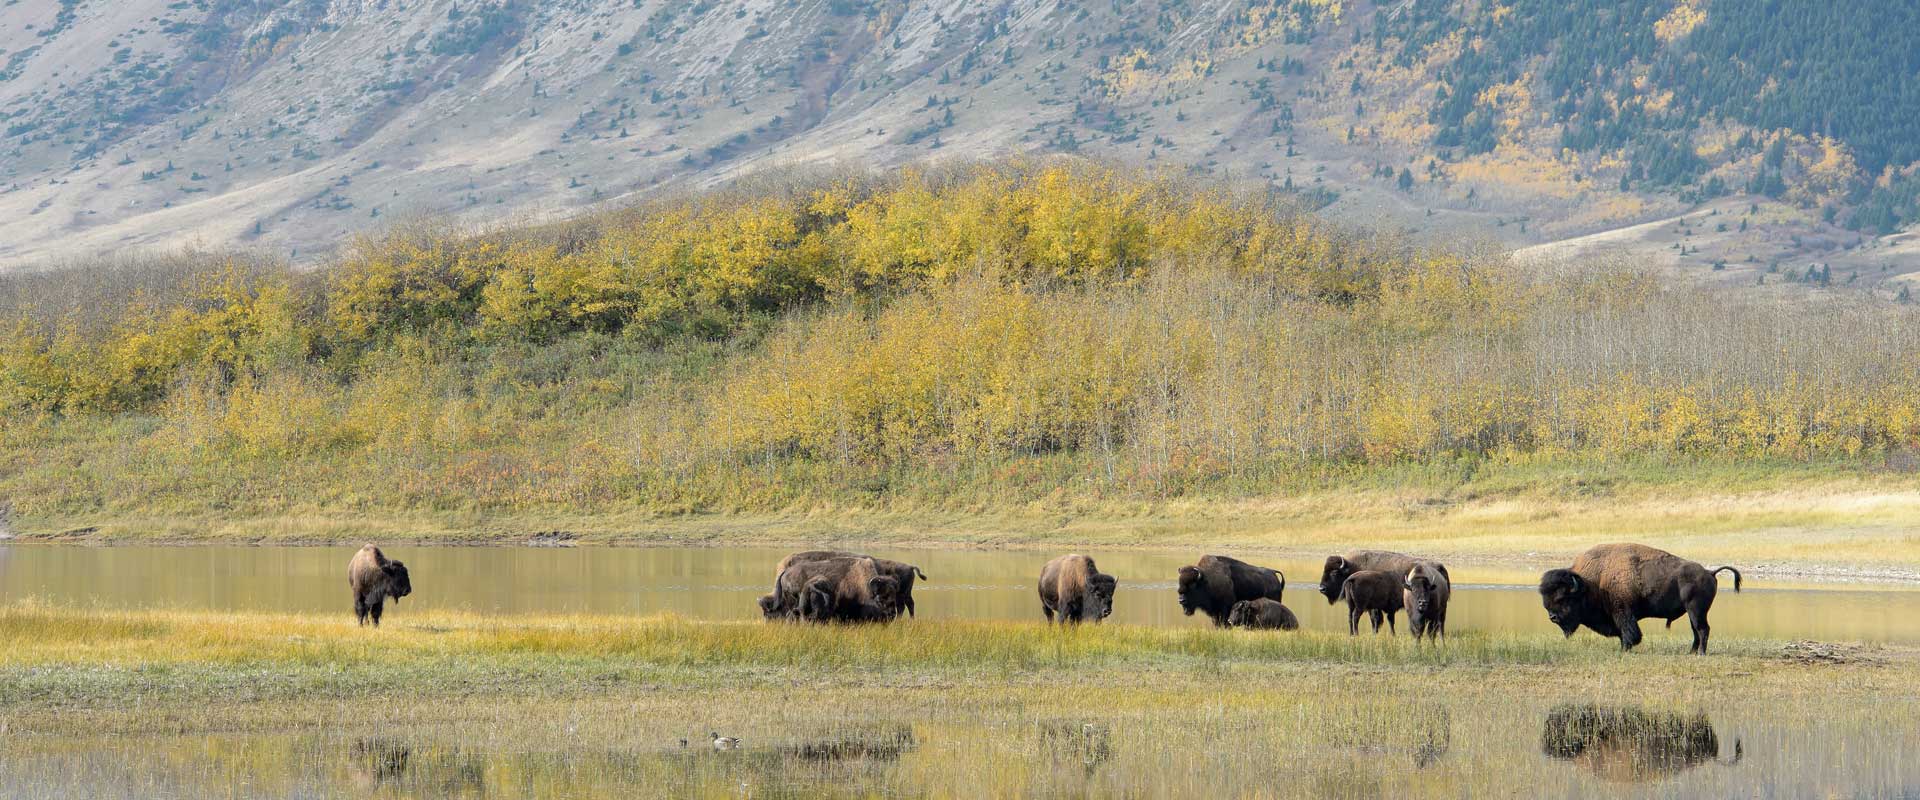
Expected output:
(723, 583)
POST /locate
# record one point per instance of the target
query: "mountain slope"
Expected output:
(288, 124)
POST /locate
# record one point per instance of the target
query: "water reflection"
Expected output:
(1630, 745)
(725, 583)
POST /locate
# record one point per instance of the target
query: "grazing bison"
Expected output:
(1427, 591)
(1629, 744)
(1217, 582)
(1339, 567)
(374, 578)
(1072, 587)
(1372, 592)
(1262, 613)
(903, 573)
(1613, 586)
(836, 589)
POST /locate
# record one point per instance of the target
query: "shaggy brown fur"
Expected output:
(1371, 592)
(1262, 614)
(1427, 590)
(902, 572)
(1073, 587)
(374, 578)
(842, 589)
(1217, 582)
(1337, 568)
(1611, 587)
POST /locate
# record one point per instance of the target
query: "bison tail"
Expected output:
(1736, 576)
(923, 575)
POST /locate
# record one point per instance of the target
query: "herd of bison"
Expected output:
(1609, 589)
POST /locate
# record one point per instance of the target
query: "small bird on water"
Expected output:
(724, 742)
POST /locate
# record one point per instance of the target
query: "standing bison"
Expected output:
(1262, 614)
(1072, 587)
(1373, 593)
(1217, 582)
(835, 590)
(1339, 568)
(902, 573)
(374, 578)
(1613, 586)
(1427, 590)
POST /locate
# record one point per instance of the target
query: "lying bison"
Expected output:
(374, 578)
(1262, 614)
(1217, 582)
(902, 573)
(1613, 586)
(1374, 593)
(1629, 744)
(835, 590)
(1426, 591)
(1338, 568)
(1072, 587)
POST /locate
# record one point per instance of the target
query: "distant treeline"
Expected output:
(984, 334)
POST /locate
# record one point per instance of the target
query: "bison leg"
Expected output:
(1629, 630)
(375, 611)
(360, 610)
(1353, 620)
(1048, 610)
(1390, 630)
(909, 605)
(1377, 618)
(1697, 615)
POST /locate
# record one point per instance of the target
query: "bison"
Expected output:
(1075, 589)
(1372, 592)
(902, 573)
(1629, 744)
(1611, 587)
(1339, 567)
(374, 578)
(1262, 613)
(1426, 592)
(1217, 582)
(836, 589)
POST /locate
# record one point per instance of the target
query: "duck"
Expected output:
(724, 742)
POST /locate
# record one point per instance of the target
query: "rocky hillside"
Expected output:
(291, 124)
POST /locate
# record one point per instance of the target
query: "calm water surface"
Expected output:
(722, 583)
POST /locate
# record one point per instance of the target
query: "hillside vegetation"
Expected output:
(977, 338)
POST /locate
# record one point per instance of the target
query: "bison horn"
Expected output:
(1576, 580)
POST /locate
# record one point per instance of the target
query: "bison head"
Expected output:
(885, 590)
(1421, 597)
(1099, 597)
(398, 584)
(1567, 597)
(1333, 575)
(770, 605)
(1192, 585)
(1241, 615)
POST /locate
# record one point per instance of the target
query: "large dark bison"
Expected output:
(1072, 587)
(1613, 586)
(374, 578)
(1262, 614)
(1427, 591)
(903, 573)
(836, 590)
(1338, 568)
(1217, 582)
(1629, 744)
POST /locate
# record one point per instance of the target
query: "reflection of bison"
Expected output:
(836, 589)
(374, 578)
(1217, 582)
(1374, 593)
(1338, 568)
(1628, 744)
(1262, 614)
(1613, 586)
(902, 573)
(1076, 590)
(1427, 591)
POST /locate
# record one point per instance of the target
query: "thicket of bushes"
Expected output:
(985, 334)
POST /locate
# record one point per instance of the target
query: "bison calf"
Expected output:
(374, 578)
(1371, 592)
(1426, 593)
(1262, 614)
